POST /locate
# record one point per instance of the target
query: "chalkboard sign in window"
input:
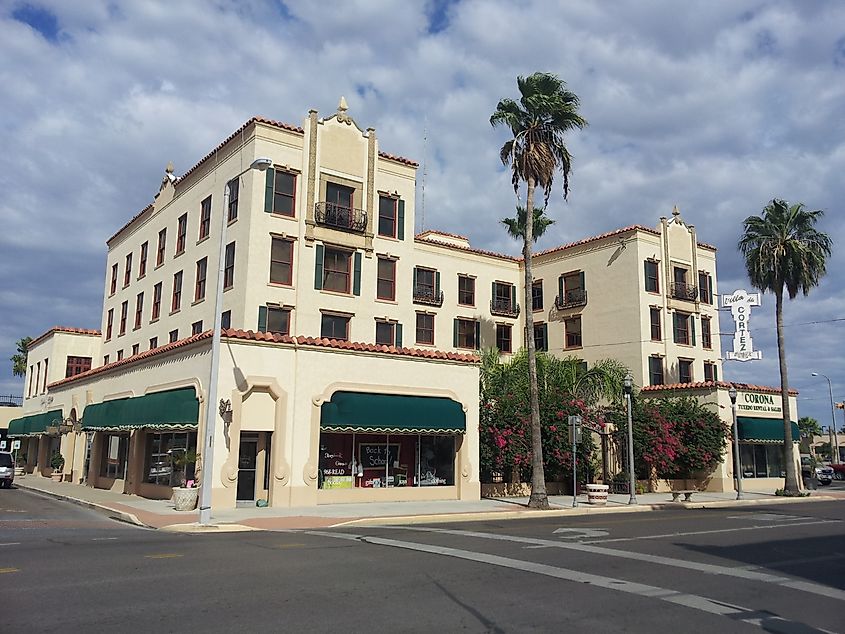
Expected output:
(374, 455)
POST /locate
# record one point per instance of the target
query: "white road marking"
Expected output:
(713, 569)
(580, 533)
(715, 531)
(102, 539)
(11, 544)
(770, 517)
(693, 601)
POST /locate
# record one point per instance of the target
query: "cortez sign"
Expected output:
(740, 303)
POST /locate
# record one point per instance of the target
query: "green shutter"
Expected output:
(356, 274)
(400, 220)
(262, 319)
(455, 332)
(560, 289)
(398, 335)
(513, 297)
(319, 252)
(545, 337)
(715, 372)
(436, 284)
(583, 284)
(645, 273)
(477, 335)
(692, 328)
(414, 287)
(269, 189)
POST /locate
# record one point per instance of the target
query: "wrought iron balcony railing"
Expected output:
(428, 296)
(503, 307)
(682, 290)
(340, 217)
(571, 299)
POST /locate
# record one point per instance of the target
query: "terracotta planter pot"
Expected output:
(185, 499)
(56, 476)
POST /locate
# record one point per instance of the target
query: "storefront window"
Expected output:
(115, 448)
(158, 457)
(761, 461)
(385, 460)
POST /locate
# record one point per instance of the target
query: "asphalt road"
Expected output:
(776, 569)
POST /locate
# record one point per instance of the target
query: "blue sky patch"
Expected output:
(39, 19)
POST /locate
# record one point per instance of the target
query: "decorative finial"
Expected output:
(342, 116)
(675, 211)
(169, 168)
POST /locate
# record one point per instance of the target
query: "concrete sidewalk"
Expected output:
(160, 514)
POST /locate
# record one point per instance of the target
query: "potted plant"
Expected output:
(185, 495)
(57, 462)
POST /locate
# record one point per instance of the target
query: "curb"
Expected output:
(198, 529)
(116, 514)
(567, 512)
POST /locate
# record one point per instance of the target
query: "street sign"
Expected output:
(16, 444)
(2, 445)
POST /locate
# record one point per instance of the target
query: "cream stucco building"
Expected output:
(320, 253)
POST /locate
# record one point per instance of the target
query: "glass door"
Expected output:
(247, 466)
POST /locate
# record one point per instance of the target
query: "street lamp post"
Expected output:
(737, 466)
(834, 447)
(628, 384)
(206, 476)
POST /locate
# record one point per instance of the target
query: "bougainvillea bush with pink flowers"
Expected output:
(674, 438)
(566, 388)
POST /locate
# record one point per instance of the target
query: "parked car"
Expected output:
(824, 474)
(838, 471)
(7, 469)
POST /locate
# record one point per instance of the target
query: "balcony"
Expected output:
(428, 296)
(340, 217)
(571, 299)
(503, 307)
(682, 290)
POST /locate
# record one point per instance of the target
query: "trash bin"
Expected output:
(597, 494)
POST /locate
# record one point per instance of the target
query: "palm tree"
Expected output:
(784, 250)
(516, 226)
(545, 112)
(19, 360)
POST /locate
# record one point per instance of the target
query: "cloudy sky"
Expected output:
(714, 106)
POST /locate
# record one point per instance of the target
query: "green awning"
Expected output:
(763, 430)
(392, 414)
(173, 409)
(34, 424)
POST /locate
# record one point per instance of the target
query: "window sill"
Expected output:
(198, 301)
(228, 288)
(125, 286)
(203, 239)
(178, 253)
(120, 334)
(175, 312)
(466, 305)
(581, 347)
(231, 221)
(657, 292)
(336, 293)
(391, 238)
(273, 214)
(140, 277)
(279, 285)
(427, 345)
(385, 300)
(136, 328)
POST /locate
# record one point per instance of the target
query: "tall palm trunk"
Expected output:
(539, 499)
(791, 484)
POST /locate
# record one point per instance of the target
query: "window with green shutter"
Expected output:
(280, 193)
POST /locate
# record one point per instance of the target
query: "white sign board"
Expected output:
(2, 445)
(740, 303)
(16, 444)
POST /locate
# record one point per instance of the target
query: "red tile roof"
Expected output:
(146, 354)
(703, 385)
(426, 239)
(398, 159)
(69, 329)
(232, 333)
(437, 232)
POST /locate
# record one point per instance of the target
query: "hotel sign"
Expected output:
(740, 303)
(759, 403)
